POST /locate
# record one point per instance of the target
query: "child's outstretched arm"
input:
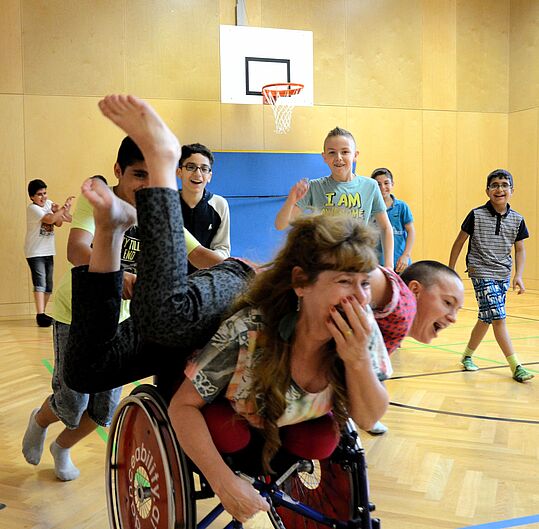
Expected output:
(289, 211)
(456, 248)
(402, 261)
(520, 259)
(387, 237)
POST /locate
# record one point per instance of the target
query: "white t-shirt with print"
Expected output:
(39, 240)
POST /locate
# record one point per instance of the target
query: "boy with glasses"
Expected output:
(205, 214)
(493, 230)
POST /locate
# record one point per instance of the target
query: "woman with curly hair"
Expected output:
(301, 354)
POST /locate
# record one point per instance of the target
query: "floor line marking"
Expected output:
(417, 375)
(514, 522)
(458, 414)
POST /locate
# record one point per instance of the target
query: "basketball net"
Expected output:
(283, 98)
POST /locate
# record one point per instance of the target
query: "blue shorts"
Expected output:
(69, 405)
(490, 295)
(41, 268)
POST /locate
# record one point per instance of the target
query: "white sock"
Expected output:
(64, 468)
(33, 440)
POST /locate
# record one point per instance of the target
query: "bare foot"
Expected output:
(110, 212)
(161, 149)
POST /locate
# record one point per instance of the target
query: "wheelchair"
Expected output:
(151, 483)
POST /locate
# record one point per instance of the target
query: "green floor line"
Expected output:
(102, 433)
(47, 364)
(476, 357)
(418, 345)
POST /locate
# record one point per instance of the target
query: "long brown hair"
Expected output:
(314, 243)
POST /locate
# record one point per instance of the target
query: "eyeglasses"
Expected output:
(193, 167)
(504, 187)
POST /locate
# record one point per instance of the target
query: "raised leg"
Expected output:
(161, 149)
(113, 217)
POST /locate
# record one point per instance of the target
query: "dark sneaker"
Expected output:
(43, 320)
(521, 374)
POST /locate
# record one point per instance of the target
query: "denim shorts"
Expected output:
(490, 295)
(41, 268)
(69, 405)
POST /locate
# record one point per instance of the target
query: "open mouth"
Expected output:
(438, 327)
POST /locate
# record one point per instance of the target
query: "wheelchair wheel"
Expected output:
(337, 487)
(149, 484)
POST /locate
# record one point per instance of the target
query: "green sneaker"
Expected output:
(521, 374)
(467, 364)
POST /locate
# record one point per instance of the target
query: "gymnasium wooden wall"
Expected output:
(440, 91)
(523, 119)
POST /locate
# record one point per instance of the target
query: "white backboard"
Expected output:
(253, 57)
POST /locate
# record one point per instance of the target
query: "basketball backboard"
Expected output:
(253, 57)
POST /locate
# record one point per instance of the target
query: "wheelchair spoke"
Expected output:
(329, 489)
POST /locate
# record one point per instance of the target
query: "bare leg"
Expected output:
(46, 298)
(39, 300)
(45, 417)
(502, 337)
(161, 149)
(478, 333)
(112, 217)
(520, 374)
(68, 438)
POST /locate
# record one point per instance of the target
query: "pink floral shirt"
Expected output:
(396, 318)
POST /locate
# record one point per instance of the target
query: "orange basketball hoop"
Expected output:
(282, 98)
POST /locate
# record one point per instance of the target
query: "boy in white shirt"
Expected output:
(41, 217)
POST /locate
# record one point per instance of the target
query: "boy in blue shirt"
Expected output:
(494, 229)
(401, 220)
(340, 193)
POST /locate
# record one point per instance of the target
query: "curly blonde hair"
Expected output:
(314, 243)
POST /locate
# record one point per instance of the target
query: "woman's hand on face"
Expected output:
(352, 336)
(241, 500)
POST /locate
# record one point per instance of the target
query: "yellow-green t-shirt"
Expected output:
(83, 219)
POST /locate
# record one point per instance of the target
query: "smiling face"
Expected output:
(134, 177)
(40, 197)
(195, 181)
(329, 289)
(340, 154)
(499, 192)
(437, 306)
(385, 184)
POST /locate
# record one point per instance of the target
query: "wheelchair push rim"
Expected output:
(148, 482)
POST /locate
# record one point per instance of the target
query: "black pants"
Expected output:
(171, 313)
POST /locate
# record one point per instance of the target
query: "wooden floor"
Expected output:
(462, 449)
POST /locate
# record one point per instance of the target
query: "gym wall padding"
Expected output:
(256, 185)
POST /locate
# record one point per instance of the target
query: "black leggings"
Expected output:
(171, 313)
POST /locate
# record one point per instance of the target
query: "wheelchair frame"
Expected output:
(150, 480)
